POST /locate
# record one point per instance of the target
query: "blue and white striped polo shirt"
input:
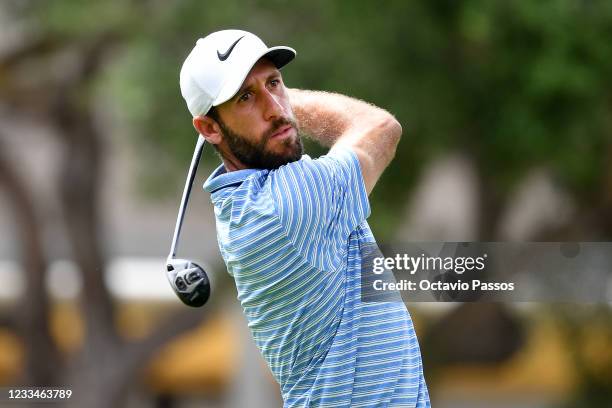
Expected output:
(291, 239)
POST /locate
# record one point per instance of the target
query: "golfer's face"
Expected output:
(260, 111)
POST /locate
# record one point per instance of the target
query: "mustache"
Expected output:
(277, 124)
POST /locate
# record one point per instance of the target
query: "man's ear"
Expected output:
(209, 128)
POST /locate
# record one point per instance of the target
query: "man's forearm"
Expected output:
(337, 120)
(325, 116)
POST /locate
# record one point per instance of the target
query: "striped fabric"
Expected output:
(291, 239)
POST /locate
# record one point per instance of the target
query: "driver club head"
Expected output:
(189, 281)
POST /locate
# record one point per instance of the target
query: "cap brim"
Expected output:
(280, 56)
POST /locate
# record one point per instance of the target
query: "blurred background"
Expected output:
(507, 115)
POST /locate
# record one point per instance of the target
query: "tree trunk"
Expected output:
(31, 319)
(106, 365)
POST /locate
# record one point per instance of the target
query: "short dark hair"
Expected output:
(213, 114)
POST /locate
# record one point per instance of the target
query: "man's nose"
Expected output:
(273, 108)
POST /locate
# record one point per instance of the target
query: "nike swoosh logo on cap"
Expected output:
(226, 54)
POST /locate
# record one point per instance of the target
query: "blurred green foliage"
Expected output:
(511, 84)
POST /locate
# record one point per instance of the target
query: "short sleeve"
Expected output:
(320, 203)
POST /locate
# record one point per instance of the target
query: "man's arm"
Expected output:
(337, 120)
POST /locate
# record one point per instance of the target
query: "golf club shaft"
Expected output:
(189, 183)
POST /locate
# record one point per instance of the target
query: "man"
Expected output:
(290, 228)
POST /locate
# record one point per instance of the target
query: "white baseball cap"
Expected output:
(219, 63)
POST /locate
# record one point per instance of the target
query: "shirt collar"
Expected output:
(220, 178)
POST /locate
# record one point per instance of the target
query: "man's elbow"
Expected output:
(392, 130)
(395, 129)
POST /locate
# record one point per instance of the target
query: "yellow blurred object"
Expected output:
(136, 320)
(11, 356)
(596, 351)
(67, 326)
(204, 360)
(543, 366)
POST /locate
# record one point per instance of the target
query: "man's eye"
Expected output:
(275, 82)
(244, 97)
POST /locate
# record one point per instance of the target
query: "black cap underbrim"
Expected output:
(280, 56)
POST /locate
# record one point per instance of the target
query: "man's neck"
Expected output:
(231, 163)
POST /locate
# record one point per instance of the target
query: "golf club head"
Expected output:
(189, 281)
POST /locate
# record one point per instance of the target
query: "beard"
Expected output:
(254, 155)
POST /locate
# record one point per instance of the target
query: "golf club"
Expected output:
(188, 279)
